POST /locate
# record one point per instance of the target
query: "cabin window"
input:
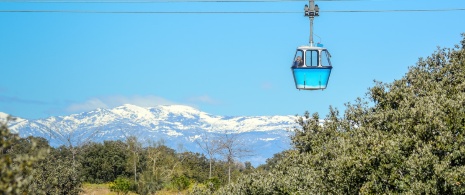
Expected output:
(311, 58)
(298, 59)
(325, 58)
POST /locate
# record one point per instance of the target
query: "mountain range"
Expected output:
(177, 125)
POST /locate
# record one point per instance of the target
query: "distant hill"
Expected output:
(177, 125)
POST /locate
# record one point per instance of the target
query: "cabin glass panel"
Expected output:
(298, 54)
(325, 58)
(311, 58)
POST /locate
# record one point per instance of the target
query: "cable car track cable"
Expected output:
(162, 1)
(224, 12)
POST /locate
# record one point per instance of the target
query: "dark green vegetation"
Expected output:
(405, 137)
(30, 166)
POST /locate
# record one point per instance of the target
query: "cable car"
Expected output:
(314, 68)
(312, 65)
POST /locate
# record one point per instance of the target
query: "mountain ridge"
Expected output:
(175, 124)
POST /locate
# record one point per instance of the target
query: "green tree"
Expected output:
(180, 182)
(104, 162)
(194, 166)
(121, 185)
(271, 162)
(405, 137)
(31, 166)
(55, 174)
(248, 168)
(161, 164)
(16, 168)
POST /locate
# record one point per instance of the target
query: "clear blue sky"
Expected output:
(54, 64)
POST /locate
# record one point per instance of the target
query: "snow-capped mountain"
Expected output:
(177, 125)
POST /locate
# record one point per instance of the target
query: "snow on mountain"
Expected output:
(3, 116)
(14, 124)
(175, 124)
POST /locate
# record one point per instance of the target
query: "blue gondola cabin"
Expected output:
(311, 68)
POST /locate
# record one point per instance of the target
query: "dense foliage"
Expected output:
(30, 166)
(15, 166)
(103, 162)
(405, 137)
(121, 185)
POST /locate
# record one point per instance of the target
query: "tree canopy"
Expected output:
(403, 137)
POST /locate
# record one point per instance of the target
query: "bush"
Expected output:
(121, 185)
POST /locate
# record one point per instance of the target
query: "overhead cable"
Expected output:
(223, 12)
(160, 1)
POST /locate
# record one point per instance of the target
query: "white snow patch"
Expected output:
(173, 133)
(179, 109)
(195, 137)
(3, 116)
(268, 139)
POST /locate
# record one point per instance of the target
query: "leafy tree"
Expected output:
(72, 140)
(213, 184)
(121, 185)
(248, 168)
(194, 166)
(180, 182)
(405, 137)
(52, 174)
(271, 162)
(161, 165)
(55, 174)
(16, 168)
(104, 162)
